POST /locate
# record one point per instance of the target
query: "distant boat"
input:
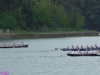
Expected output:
(19, 46)
(86, 53)
(81, 48)
(84, 49)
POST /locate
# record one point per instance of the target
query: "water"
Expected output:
(41, 58)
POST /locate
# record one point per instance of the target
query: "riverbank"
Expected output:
(47, 35)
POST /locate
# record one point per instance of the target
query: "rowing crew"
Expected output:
(86, 52)
(14, 45)
(87, 47)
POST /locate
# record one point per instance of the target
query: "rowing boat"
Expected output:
(83, 49)
(19, 46)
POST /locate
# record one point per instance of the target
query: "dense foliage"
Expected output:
(50, 15)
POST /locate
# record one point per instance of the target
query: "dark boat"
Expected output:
(19, 46)
(6, 47)
(69, 54)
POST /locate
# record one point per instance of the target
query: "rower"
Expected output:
(91, 47)
(5, 45)
(77, 47)
(81, 47)
(22, 43)
(96, 46)
(14, 45)
(87, 46)
(73, 50)
(72, 47)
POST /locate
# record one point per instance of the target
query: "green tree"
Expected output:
(7, 21)
(50, 15)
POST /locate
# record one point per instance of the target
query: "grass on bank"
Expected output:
(19, 31)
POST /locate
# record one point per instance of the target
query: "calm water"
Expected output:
(41, 58)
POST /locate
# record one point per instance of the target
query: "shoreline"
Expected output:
(48, 35)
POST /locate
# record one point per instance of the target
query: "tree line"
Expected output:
(50, 15)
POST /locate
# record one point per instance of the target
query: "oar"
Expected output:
(62, 48)
(56, 48)
(63, 54)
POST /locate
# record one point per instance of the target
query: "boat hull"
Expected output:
(82, 54)
(21, 46)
